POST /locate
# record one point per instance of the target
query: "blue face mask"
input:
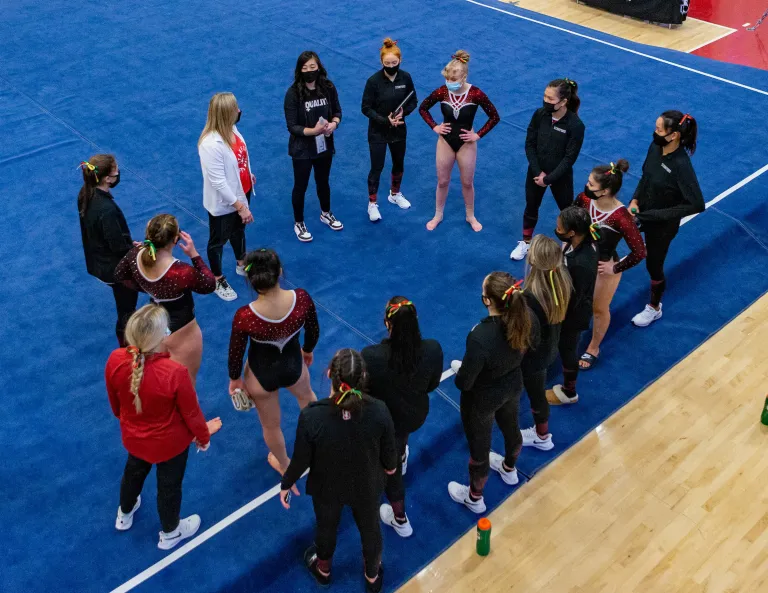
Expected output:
(453, 86)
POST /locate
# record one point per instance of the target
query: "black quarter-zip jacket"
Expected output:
(380, 98)
(668, 189)
(553, 147)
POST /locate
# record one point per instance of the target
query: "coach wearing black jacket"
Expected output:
(348, 444)
(105, 234)
(389, 98)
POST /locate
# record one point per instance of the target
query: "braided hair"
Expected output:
(349, 379)
(144, 332)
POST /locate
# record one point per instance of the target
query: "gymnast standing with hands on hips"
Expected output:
(457, 140)
(312, 115)
(668, 192)
(552, 145)
(389, 98)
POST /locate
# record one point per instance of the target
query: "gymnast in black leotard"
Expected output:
(458, 140)
(272, 323)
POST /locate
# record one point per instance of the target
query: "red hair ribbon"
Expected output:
(395, 307)
(345, 390)
(510, 291)
(685, 118)
(461, 59)
(135, 352)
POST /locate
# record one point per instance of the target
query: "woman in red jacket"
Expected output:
(159, 417)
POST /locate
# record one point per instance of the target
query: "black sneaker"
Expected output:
(310, 561)
(301, 232)
(224, 291)
(329, 219)
(375, 586)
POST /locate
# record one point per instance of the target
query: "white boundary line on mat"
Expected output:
(615, 46)
(728, 192)
(718, 38)
(211, 531)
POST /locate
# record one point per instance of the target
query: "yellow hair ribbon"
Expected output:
(395, 307)
(593, 230)
(345, 390)
(152, 251)
(552, 283)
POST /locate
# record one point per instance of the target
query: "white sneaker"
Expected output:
(329, 219)
(373, 212)
(460, 494)
(520, 251)
(647, 316)
(497, 464)
(124, 521)
(405, 459)
(240, 270)
(399, 199)
(224, 291)
(388, 518)
(301, 232)
(455, 366)
(187, 528)
(532, 439)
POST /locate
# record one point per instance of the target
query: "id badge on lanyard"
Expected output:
(320, 139)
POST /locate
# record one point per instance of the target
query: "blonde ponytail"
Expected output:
(548, 279)
(144, 332)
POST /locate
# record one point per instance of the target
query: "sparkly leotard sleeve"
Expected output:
(612, 227)
(173, 289)
(459, 111)
(274, 356)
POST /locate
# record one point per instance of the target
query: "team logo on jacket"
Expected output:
(309, 105)
(346, 415)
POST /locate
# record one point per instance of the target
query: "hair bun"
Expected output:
(622, 165)
(389, 42)
(462, 56)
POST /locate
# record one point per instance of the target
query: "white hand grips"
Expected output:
(241, 401)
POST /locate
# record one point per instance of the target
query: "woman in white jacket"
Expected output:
(228, 182)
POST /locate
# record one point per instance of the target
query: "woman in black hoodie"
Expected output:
(312, 114)
(105, 234)
(402, 372)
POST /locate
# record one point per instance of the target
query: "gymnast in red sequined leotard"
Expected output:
(458, 140)
(152, 268)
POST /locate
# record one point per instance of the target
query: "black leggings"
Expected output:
(366, 514)
(125, 301)
(222, 229)
(378, 155)
(477, 421)
(536, 386)
(569, 355)
(562, 191)
(301, 171)
(170, 474)
(395, 489)
(658, 237)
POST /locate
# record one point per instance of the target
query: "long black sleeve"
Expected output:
(291, 108)
(302, 455)
(437, 373)
(471, 365)
(335, 104)
(118, 241)
(388, 446)
(369, 100)
(530, 144)
(694, 201)
(572, 150)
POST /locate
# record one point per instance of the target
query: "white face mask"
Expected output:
(453, 86)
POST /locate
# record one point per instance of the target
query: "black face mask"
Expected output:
(590, 194)
(391, 70)
(239, 115)
(550, 107)
(660, 140)
(562, 237)
(310, 76)
(114, 183)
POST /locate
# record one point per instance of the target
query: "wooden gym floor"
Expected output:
(692, 35)
(669, 495)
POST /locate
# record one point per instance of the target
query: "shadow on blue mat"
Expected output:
(135, 80)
